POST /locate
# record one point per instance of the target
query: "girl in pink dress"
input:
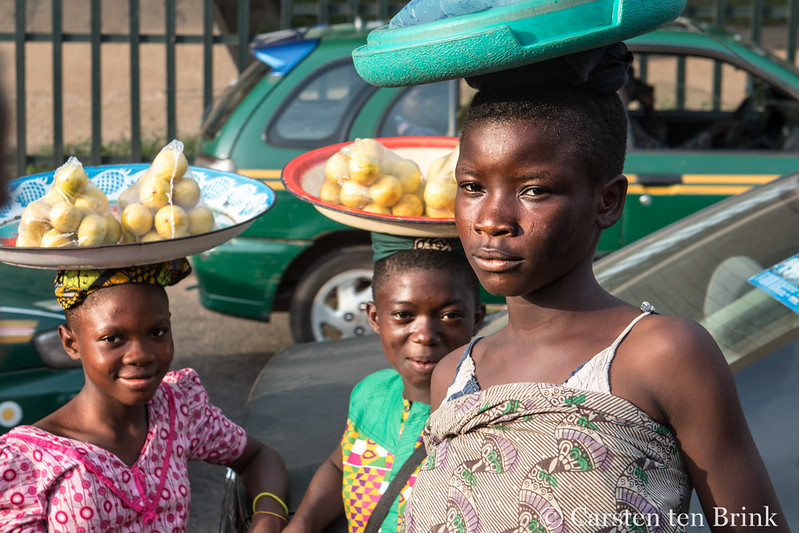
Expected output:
(115, 457)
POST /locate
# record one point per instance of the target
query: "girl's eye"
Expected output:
(159, 332)
(470, 187)
(111, 339)
(402, 315)
(452, 315)
(533, 191)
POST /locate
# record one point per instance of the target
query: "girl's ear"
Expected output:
(372, 317)
(69, 342)
(611, 201)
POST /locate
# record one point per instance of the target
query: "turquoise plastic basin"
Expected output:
(504, 37)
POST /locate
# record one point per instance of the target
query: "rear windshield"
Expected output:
(704, 266)
(232, 97)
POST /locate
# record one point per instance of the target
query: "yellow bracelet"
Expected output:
(274, 497)
(286, 520)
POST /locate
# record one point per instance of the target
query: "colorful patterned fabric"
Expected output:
(382, 431)
(540, 457)
(73, 286)
(59, 485)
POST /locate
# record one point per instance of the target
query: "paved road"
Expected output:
(228, 353)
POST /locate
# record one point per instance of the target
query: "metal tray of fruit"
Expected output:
(235, 201)
(503, 37)
(304, 175)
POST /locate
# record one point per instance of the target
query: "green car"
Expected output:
(36, 375)
(688, 150)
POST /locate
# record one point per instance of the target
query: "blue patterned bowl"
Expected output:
(235, 200)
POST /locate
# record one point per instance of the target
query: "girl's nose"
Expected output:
(494, 218)
(138, 353)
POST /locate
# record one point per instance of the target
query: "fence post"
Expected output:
(19, 57)
(244, 34)
(135, 78)
(97, 93)
(58, 83)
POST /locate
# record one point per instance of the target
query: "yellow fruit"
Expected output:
(151, 236)
(170, 163)
(330, 192)
(440, 194)
(367, 147)
(201, 220)
(155, 193)
(25, 240)
(377, 208)
(70, 179)
(35, 219)
(65, 218)
(90, 205)
(443, 165)
(171, 221)
(186, 193)
(386, 191)
(128, 237)
(137, 219)
(113, 229)
(52, 197)
(408, 174)
(56, 239)
(364, 169)
(129, 196)
(91, 231)
(337, 168)
(95, 192)
(433, 212)
(354, 195)
(409, 205)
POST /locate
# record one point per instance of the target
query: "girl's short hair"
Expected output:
(594, 124)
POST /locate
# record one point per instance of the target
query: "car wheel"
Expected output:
(330, 299)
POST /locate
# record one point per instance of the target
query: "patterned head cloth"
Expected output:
(384, 245)
(73, 286)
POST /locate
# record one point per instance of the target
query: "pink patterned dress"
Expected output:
(60, 485)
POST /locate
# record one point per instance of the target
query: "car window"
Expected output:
(231, 98)
(423, 110)
(673, 103)
(702, 268)
(430, 109)
(319, 110)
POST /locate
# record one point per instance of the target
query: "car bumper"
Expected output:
(241, 277)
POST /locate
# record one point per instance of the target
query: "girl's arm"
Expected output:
(698, 400)
(262, 471)
(322, 502)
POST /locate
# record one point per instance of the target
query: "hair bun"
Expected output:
(602, 70)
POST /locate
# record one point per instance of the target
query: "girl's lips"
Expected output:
(138, 382)
(493, 260)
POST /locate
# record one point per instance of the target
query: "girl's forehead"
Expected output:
(434, 280)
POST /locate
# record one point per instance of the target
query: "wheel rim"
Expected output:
(339, 308)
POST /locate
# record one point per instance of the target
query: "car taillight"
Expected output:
(48, 346)
(203, 160)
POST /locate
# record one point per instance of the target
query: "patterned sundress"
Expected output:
(540, 457)
(60, 485)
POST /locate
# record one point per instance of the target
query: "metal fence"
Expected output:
(751, 14)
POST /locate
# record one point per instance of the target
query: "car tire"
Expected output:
(330, 299)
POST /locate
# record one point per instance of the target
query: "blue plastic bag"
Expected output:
(419, 11)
